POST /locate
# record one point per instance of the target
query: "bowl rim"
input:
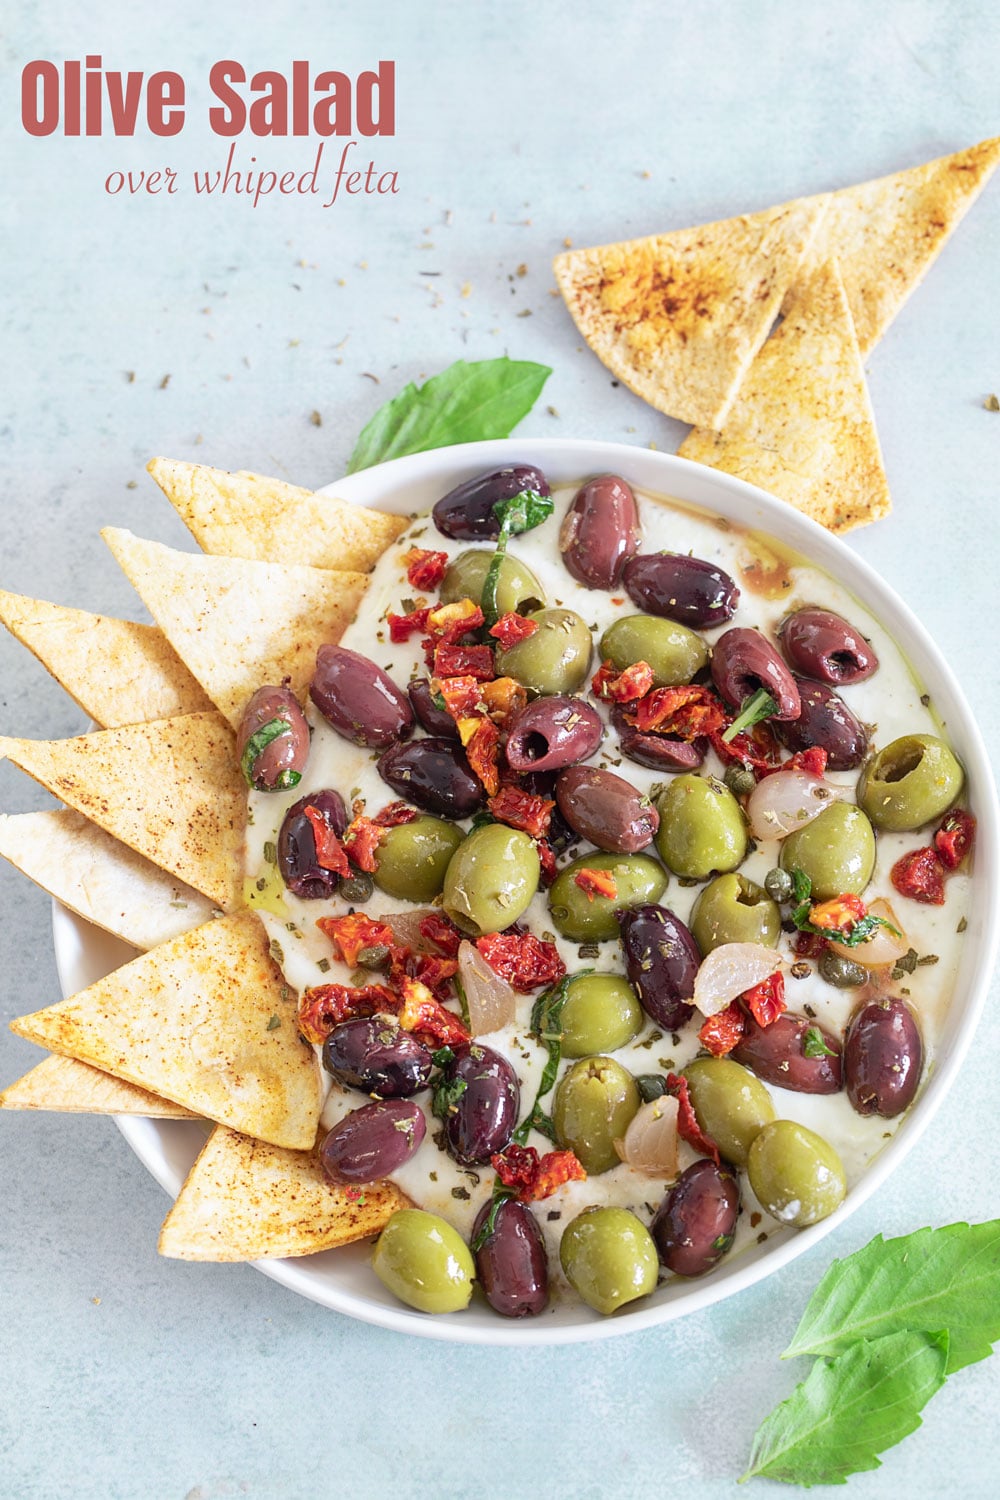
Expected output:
(162, 1145)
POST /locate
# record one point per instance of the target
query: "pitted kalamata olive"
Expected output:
(467, 510)
(272, 742)
(695, 1224)
(435, 720)
(743, 661)
(551, 733)
(825, 720)
(511, 1263)
(481, 1117)
(297, 862)
(600, 531)
(661, 961)
(686, 589)
(827, 647)
(434, 775)
(358, 699)
(372, 1141)
(660, 752)
(376, 1055)
(883, 1058)
(777, 1054)
(606, 809)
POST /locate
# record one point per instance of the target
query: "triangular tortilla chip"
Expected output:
(71, 1087)
(678, 317)
(99, 878)
(244, 1200)
(117, 671)
(247, 515)
(206, 1021)
(171, 790)
(803, 426)
(886, 234)
(237, 624)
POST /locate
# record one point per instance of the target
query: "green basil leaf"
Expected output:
(813, 1044)
(849, 1410)
(760, 705)
(464, 404)
(258, 743)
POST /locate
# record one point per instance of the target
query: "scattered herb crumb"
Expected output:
(274, 1023)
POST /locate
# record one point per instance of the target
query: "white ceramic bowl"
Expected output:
(342, 1279)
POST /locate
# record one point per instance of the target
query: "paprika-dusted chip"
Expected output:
(64, 1085)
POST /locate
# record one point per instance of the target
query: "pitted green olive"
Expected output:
(587, 918)
(556, 659)
(490, 879)
(412, 858)
(466, 574)
(733, 909)
(797, 1175)
(732, 1106)
(701, 827)
(910, 782)
(424, 1262)
(600, 1014)
(674, 652)
(594, 1105)
(609, 1257)
(836, 851)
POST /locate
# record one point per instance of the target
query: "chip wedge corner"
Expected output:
(66, 1086)
(246, 1200)
(266, 520)
(204, 1021)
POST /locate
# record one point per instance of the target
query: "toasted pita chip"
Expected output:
(266, 520)
(886, 234)
(99, 878)
(803, 426)
(206, 1021)
(171, 790)
(237, 624)
(678, 317)
(244, 1200)
(118, 672)
(70, 1087)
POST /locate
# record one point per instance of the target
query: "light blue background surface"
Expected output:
(518, 125)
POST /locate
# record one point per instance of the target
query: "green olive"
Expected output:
(466, 574)
(796, 1175)
(601, 1013)
(910, 782)
(413, 858)
(490, 879)
(733, 909)
(556, 659)
(836, 851)
(424, 1262)
(674, 652)
(702, 829)
(584, 918)
(609, 1257)
(593, 1107)
(732, 1105)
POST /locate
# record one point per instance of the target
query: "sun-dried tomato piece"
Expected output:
(326, 1005)
(755, 748)
(330, 853)
(526, 962)
(351, 934)
(401, 627)
(839, 914)
(511, 628)
(766, 1001)
(687, 1121)
(613, 686)
(597, 883)
(462, 695)
(812, 760)
(465, 661)
(436, 973)
(520, 809)
(424, 569)
(955, 838)
(427, 1018)
(809, 945)
(482, 751)
(682, 712)
(394, 814)
(504, 697)
(723, 1031)
(449, 622)
(547, 860)
(437, 929)
(362, 838)
(920, 876)
(532, 1177)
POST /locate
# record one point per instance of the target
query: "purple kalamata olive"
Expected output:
(298, 861)
(273, 740)
(661, 961)
(373, 1141)
(825, 720)
(435, 775)
(695, 1224)
(883, 1058)
(358, 699)
(660, 752)
(606, 809)
(825, 646)
(435, 720)
(551, 733)
(375, 1054)
(467, 511)
(792, 1053)
(743, 661)
(686, 589)
(482, 1115)
(600, 532)
(511, 1263)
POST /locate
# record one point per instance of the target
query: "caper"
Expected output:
(779, 885)
(840, 971)
(357, 888)
(740, 780)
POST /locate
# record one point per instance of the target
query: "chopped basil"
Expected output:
(522, 512)
(257, 744)
(274, 1023)
(813, 1044)
(760, 705)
